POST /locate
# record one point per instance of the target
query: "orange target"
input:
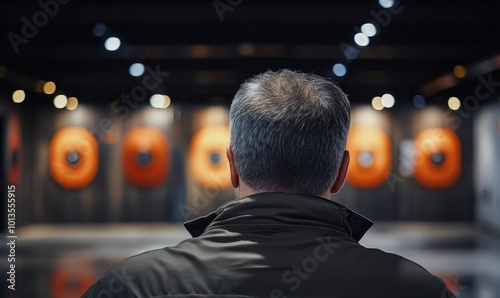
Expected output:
(14, 150)
(67, 284)
(73, 155)
(370, 150)
(438, 157)
(145, 157)
(207, 157)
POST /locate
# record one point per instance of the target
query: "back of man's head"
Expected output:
(288, 132)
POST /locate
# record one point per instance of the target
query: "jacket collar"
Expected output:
(284, 208)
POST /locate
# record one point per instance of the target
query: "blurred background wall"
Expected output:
(114, 121)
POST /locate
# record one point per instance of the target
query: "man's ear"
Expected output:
(339, 181)
(235, 181)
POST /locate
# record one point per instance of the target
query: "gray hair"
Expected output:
(289, 131)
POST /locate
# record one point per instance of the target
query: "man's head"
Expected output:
(288, 134)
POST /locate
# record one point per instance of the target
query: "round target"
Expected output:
(13, 150)
(73, 156)
(438, 157)
(145, 157)
(70, 283)
(370, 150)
(207, 157)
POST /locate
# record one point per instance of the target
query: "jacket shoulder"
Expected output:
(401, 275)
(133, 277)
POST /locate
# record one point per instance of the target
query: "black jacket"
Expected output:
(271, 245)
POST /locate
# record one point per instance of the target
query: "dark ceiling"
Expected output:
(207, 58)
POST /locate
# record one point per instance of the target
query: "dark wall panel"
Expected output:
(487, 166)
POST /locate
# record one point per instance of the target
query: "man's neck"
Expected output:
(245, 191)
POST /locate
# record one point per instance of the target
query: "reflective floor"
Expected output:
(62, 261)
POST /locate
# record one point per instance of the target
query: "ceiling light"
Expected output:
(339, 70)
(60, 101)
(18, 96)
(99, 30)
(361, 39)
(112, 43)
(419, 101)
(369, 29)
(49, 88)
(136, 69)
(459, 71)
(454, 103)
(388, 100)
(72, 103)
(377, 103)
(386, 3)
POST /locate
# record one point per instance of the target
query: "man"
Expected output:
(282, 236)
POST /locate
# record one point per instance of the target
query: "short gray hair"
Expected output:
(289, 131)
